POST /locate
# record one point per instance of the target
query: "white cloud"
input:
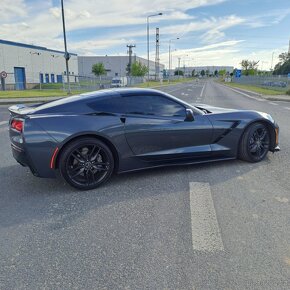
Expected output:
(9, 10)
(44, 27)
(40, 23)
(219, 25)
(268, 19)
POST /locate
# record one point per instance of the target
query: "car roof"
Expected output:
(122, 91)
(83, 98)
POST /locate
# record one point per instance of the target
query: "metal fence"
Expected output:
(77, 82)
(89, 83)
(279, 83)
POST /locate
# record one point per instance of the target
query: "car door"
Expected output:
(156, 129)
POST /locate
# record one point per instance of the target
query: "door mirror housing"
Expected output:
(189, 115)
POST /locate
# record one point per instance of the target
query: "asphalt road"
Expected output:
(223, 225)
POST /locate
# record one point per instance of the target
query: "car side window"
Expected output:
(109, 104)
(154, 105)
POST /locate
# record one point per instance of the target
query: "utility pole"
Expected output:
(130, 46)
(178, 66)
(66, 54)
(148, 45)
(157, 55)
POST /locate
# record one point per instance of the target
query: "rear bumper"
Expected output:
(21, 157)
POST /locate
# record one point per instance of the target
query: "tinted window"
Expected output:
(108, 104)
(154, 106)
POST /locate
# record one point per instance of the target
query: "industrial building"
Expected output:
(26, 66)
(116, 66)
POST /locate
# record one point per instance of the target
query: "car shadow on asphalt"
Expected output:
(24, 197)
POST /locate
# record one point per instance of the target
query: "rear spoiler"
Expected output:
(20, 110)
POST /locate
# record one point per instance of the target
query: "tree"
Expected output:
(193, 73)
(202, 73)
(249, 67)
(178, 73)
(207, 72)
(283, 66)
(138, 69)
(222, 72)
(216, 73)
(98, 69)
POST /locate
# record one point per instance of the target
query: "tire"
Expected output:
(86, 163)
(255, 143)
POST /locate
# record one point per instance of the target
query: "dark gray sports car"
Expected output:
(89, 136)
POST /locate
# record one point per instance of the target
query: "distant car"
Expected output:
(88, 137)
(119, 82)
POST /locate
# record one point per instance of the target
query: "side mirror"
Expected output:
(189, 115)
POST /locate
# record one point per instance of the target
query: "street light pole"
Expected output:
(153, 15)
(66, 54)
(169, 56)
(272, 60)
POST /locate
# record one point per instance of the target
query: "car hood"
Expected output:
(241, 113)
(212, 109)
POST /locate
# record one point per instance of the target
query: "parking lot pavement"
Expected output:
(214, 226)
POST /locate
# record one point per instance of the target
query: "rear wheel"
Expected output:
(255, 143)
(86, 163)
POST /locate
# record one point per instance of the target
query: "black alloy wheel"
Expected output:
(255, 143)
(86, 163)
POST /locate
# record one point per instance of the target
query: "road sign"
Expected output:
(238, 73)
(3, 74)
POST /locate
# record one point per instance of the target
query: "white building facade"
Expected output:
(115, 66)
(29, 65)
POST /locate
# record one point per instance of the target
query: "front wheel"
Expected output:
(86, 163)
(255, 143)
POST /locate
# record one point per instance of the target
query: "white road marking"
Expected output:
(286, 108)
(177, 89)
(273, 103)
(205, 231)
(202, 90)
(3, 123)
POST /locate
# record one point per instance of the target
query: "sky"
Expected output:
(210, 32)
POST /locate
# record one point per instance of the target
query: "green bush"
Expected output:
(288, 92)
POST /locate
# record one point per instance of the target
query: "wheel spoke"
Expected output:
(92, 152)
(255, 135)
(253, 148)
(78, 173)
(263, 134)
(94, 157)
(93, 175)
(100, 166)
(76, 168)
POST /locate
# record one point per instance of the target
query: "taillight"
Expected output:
(17, 125)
